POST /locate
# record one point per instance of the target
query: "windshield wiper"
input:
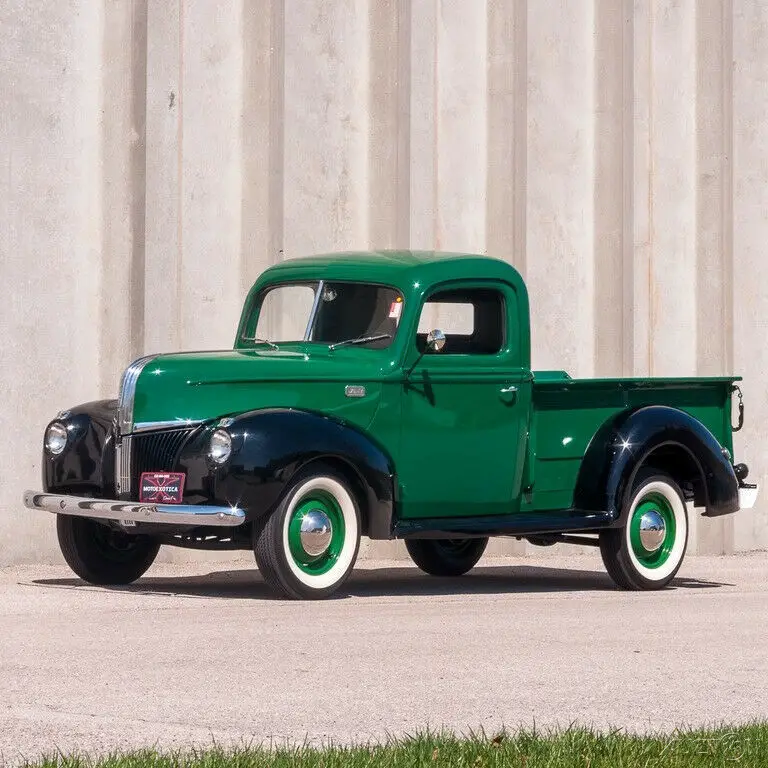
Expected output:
(361, 340)
(261, 341)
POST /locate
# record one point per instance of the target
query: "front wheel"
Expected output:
(102, 555)
(648, 551)
(446, 557)
(307, 547)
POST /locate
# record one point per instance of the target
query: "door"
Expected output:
(465, 408)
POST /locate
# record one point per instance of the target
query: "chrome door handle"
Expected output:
(508, 394)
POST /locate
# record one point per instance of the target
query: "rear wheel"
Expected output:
(308, 546)
(648, 551)
(446, 557)
(102, 555)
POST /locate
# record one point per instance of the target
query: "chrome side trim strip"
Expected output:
(148, 426)
(111, 509)
(128, 393)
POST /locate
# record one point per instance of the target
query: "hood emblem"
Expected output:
(354, 390)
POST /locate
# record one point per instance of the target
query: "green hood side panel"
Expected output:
(207, 385)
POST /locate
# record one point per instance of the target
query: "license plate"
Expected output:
(162, 487)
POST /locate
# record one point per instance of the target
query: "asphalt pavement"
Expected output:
(196, 653)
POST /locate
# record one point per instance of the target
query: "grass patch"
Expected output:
(738, 746)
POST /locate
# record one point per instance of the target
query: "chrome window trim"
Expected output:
(128, 393)
(313, 313)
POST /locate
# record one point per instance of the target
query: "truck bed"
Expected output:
(567, 412)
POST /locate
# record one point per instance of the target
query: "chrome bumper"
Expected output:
(748, 496)
(134, 512)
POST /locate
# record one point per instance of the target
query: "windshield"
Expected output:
(325, 312)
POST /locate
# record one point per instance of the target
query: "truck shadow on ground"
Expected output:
(386, 582)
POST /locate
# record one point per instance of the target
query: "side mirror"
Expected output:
(435, 340)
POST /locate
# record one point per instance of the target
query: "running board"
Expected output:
(568, 521)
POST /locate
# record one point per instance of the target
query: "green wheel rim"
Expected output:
(653, 502)
(326, 503)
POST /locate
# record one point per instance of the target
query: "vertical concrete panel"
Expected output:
(638, 292)
(714, 208)
(164, 147)
(672, 123)
(326, 125)
(714, 211)
(121, 326)
(461, 125)
(211, 181)
(423, 124)
(389, 123)
(262, 183)
(50, 241)
(613, 215)
(560, 237)
(750, 239)
(507, 130)
(87, 204)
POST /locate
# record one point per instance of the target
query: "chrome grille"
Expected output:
(124, 461)
(151, 452)
(157, 451)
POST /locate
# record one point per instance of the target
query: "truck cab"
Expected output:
(385, 394)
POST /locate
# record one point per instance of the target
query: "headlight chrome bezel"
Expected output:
(56, 438)
(220, 447)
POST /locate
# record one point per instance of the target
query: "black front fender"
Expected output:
(623, 445)
(87, 465)
(270, 446)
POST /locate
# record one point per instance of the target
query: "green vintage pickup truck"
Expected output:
(387, 395)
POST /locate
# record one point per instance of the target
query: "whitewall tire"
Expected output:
(307, 547)
(647, 552)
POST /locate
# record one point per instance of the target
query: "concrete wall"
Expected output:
(156, 156)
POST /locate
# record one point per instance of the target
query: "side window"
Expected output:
(472, 319)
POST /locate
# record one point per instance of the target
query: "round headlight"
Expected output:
(220, 447)
(56, 438)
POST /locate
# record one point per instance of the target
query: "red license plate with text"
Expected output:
(162, 487)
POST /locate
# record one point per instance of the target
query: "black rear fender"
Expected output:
(666, 439)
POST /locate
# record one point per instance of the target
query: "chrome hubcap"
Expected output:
(652, 531)
(316, 532)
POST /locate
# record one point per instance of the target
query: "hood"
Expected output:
(198, 386)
